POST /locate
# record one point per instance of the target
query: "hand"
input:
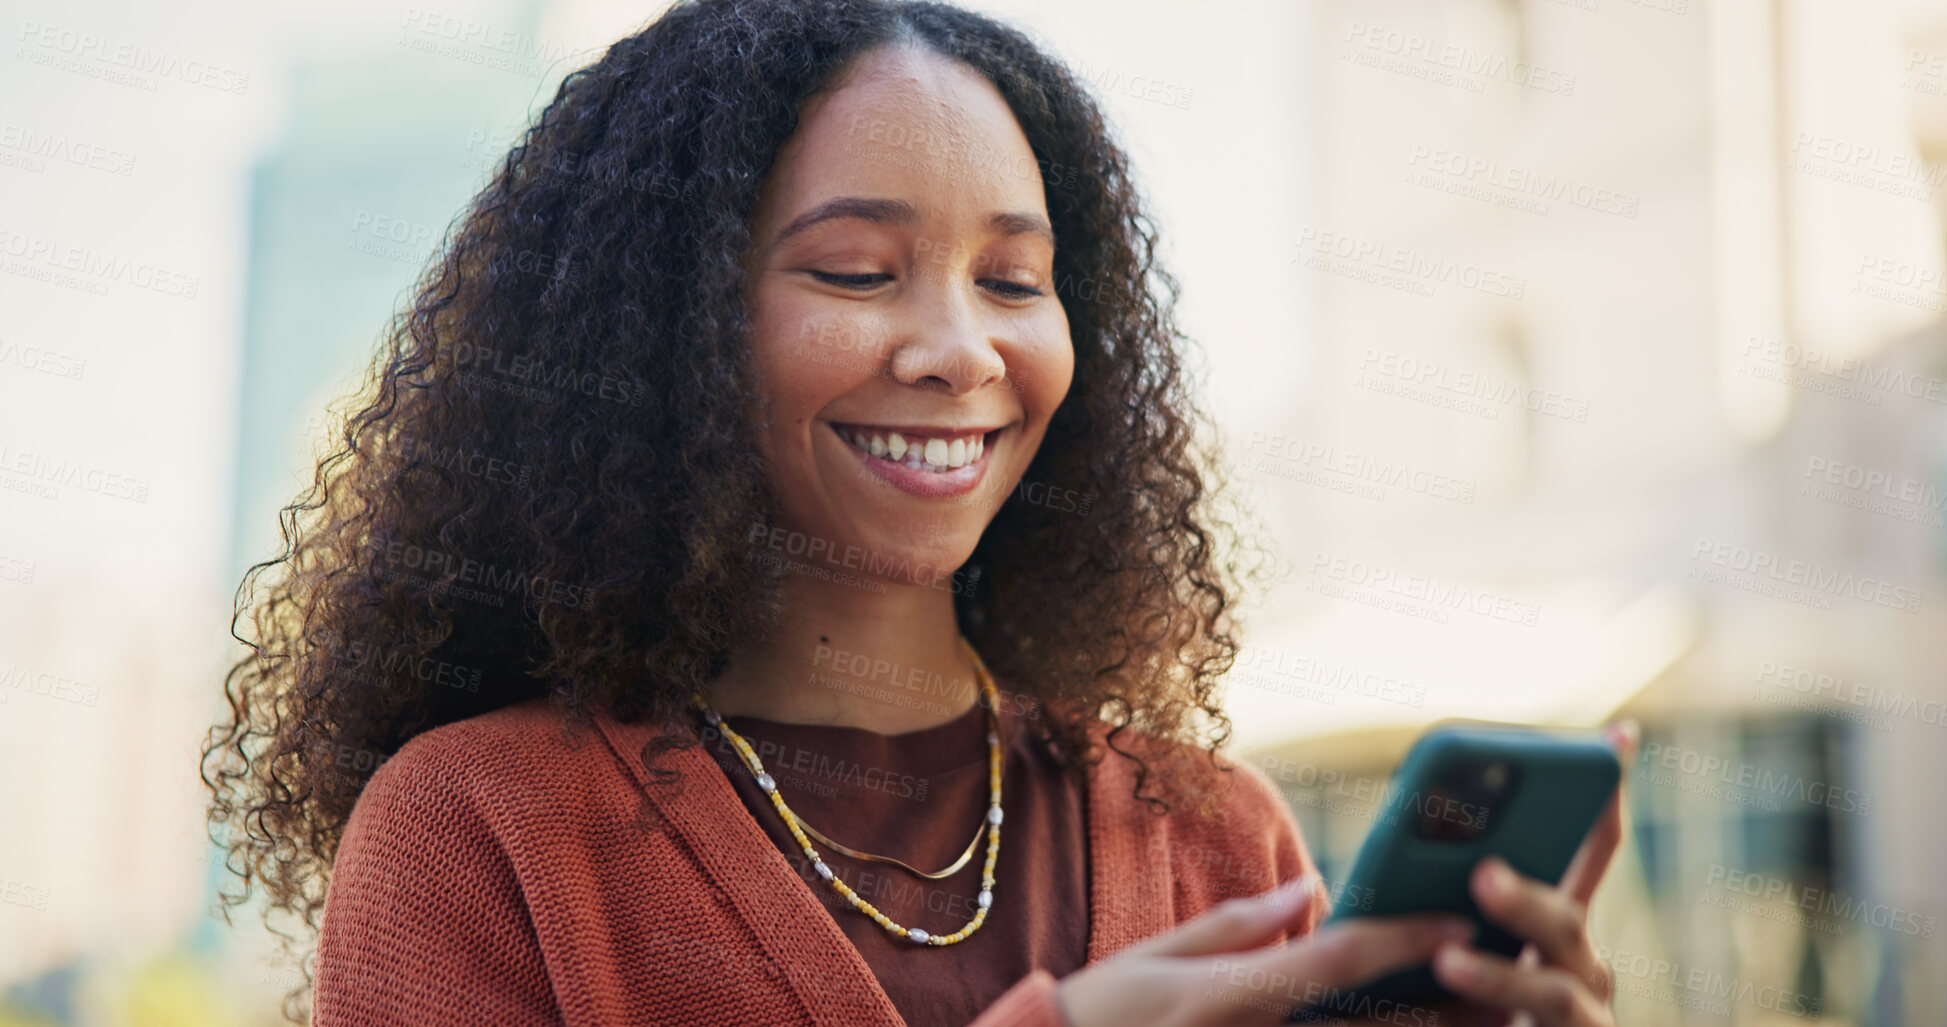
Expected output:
(1218, 970)
(1557, 979)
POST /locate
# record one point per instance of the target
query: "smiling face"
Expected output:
(904, 320)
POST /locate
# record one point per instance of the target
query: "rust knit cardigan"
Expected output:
(491, 874)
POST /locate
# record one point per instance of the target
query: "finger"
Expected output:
(1592, 859)
(1554, 997)
(1240, 923)
(1335, 957)
(1550, 919)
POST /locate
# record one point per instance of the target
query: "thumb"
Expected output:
(1242, 923)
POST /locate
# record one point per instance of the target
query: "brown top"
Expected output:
(918, 798)
(500, 870)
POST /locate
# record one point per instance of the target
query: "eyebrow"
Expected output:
(899, 212)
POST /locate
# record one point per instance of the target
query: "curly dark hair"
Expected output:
(546, 485)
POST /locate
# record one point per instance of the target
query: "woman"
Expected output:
(802, 381)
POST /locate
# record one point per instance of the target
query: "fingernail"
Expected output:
(1499, 877)
(1458, 964)
(1624, 735)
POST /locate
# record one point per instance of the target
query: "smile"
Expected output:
(932, 462)
(934, 455)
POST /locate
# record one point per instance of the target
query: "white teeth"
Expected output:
(933, 455)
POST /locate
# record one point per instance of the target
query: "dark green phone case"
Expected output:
(1560, 783)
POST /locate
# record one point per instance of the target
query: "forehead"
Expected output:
(914, 125)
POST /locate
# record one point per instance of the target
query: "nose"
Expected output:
(945, 343)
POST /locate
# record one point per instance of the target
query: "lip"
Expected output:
(919, 430)
(957, 482)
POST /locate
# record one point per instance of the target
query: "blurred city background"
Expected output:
(1579, 359)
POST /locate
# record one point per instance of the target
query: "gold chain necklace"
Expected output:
(798, 827)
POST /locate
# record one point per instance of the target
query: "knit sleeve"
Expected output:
(424, 921)
(1031, 1002)
(1262, 803)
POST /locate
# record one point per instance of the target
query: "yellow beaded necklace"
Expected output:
(986, 899)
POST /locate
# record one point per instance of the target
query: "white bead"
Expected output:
(823, 870)
(712, 716)
(986, 898)
(918, 935)
(764, 781)
(994, 815)
(993, 739)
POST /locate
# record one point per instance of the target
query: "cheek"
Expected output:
(1047, 368)
(809, 357)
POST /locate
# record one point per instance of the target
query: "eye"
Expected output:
(1011, 290)
(860, 281)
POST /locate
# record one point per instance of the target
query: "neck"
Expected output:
(842, 655)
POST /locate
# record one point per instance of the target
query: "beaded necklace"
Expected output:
(798, 827)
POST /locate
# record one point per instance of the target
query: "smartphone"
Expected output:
(1467, 791)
